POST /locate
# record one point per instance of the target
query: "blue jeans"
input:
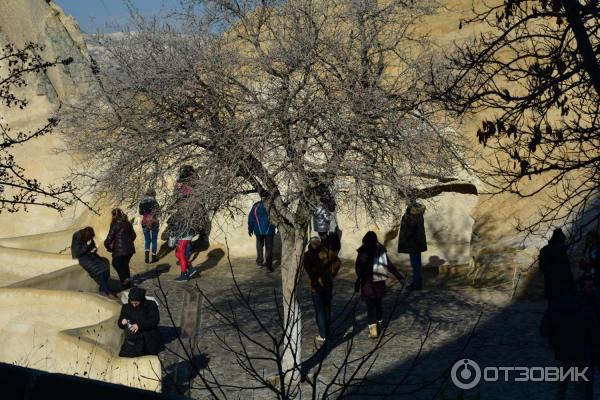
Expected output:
(415, 263)
(151, 238)
(188, 251)
(322, 303)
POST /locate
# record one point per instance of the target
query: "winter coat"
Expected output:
(364, 272)
(321, 266)
(91, 262)
(258, 220)
(147, 317)
(120, 239)
(180, 228)
(554, 264)
(150, 212)
(572, 327)
(411, 238)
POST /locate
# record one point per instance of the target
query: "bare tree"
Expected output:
(536, 70)
(17, 189)
(268, 96)
(250, 327)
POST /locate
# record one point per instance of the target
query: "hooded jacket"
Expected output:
(91, 262)
(146, 316)
(411, 238)
(554, 264)
(258, 220)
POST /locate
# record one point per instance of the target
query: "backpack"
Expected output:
(380, 266)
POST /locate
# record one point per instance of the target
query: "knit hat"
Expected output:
(137, 294)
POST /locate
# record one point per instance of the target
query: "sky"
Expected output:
(102, 15)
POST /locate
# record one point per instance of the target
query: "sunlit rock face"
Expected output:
(44, 23)
(449, 219)
(71, 333)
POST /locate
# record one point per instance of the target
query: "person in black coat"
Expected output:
(119, 242)
(139, 318)
(412, 240)
(84, 249)
(554, 264)
(372, 268)
(572, 327)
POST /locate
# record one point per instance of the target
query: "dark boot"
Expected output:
(147, 257)
(154, 258)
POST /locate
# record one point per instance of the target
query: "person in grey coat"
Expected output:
(84, 249)
(412, 240)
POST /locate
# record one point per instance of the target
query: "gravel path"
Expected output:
(439, 325)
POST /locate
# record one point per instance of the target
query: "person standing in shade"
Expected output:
(412, 240)
(372, 268)
(150, 212)
(84, 249)
(260, 226)
(321, 266)
(572, 327)
(119, 242)
(554, 264)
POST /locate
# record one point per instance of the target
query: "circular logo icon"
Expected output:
(465, 374)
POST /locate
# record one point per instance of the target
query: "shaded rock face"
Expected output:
(44, 23)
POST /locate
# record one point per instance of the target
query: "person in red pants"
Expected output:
(184, 235)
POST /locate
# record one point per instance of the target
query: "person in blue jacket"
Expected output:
(260, 226)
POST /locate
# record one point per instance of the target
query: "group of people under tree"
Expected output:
(572, 319)
(321, 261)
(322, 264)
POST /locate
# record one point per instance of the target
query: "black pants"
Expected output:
(121, 265)
(374, 310)
(265, 241)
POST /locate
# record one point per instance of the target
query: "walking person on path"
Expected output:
(260, 226)
(372, 268)
(119, 242)
(84, 249)
(321, 266)
(149, 209)
(412, 240)
(183, 233)
(554, 264)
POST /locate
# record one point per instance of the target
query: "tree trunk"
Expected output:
(291, 263)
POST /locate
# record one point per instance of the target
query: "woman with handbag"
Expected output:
(372, 268)
(119, 242)
(150, 212)
(139, 318)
